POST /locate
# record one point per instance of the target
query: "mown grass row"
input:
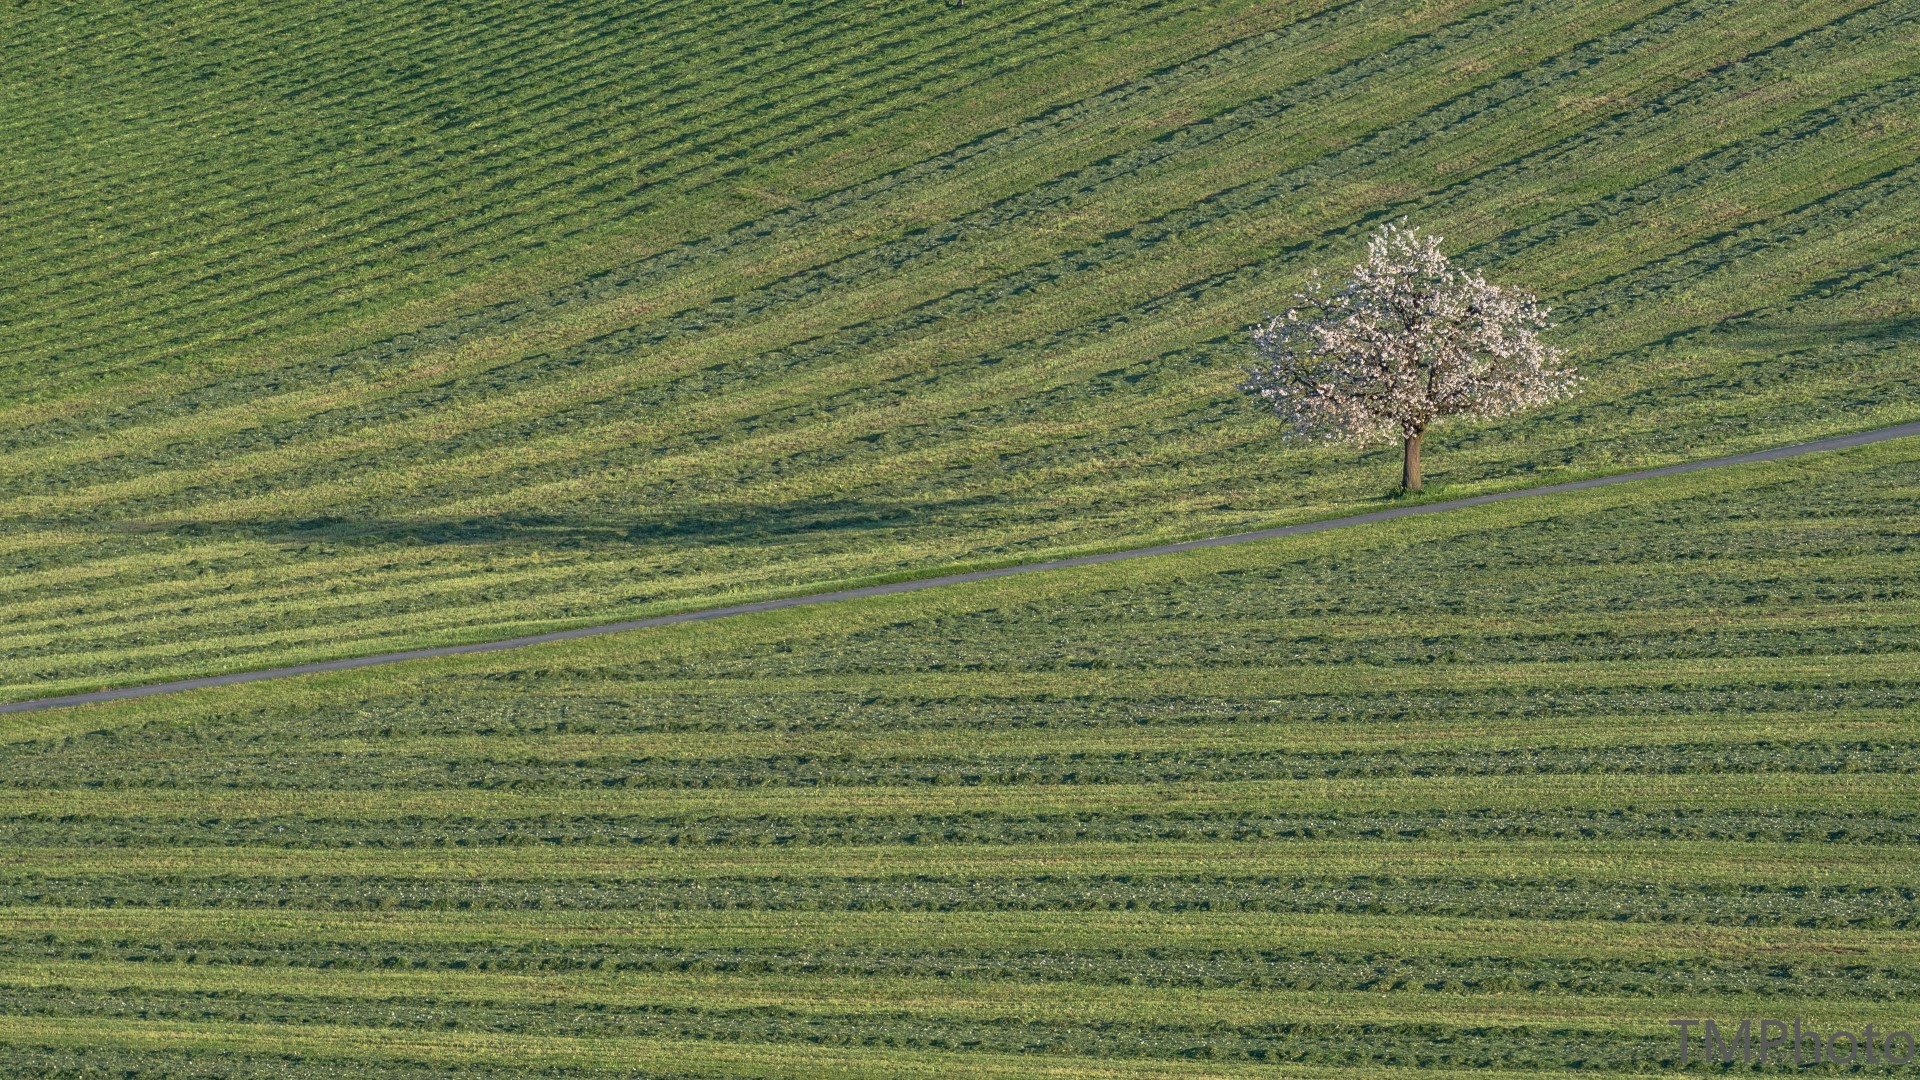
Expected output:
(827, 330)
(1494, 792)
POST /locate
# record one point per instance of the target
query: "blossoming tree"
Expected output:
(1408, 340)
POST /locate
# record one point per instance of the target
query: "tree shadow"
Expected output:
(706, 524)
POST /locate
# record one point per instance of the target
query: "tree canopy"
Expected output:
(1406, 340)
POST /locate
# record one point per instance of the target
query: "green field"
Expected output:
(1494, 792)
(337, 328)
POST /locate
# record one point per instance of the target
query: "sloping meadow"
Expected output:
(1498, 792)
(349, 327)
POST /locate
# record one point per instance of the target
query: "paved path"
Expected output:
(1841, 443)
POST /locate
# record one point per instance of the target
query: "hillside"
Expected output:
(352, 326)
(1495, 792)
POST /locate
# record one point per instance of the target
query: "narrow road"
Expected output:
(1841, 443)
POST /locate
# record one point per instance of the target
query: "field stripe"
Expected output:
(1645, 861)
(1007, 931)
(1862, 792)
(782, 1061)
(839, 997)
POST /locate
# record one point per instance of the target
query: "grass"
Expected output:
(1498, 792)
(336, 329)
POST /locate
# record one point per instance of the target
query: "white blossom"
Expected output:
(1408, 340)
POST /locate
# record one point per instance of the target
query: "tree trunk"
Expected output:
(1410, 473)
